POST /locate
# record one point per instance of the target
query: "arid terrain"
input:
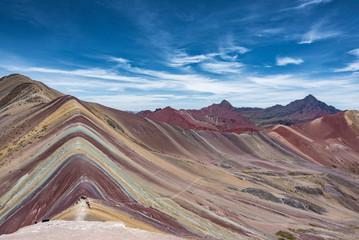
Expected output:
(213, 173)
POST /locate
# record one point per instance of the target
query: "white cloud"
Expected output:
(288, 81)
(229, 53)
(221, 67)
(308, 3)
(316, 34)
(78, 91)
(128, 101)
(283, 61)
(239, 49)
(189, 83)
(266, 32)
(354, 52)
(159, 88)
(182, 59)
(272, 30)
(351, 67)
(92, 73)
(119, 59)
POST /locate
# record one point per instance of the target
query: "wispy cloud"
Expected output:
(161, 88)
(317, 33)
(229, 53)
(33, 12)
(133, 102)
(229, 48)
(151, 80)
(40, 15)
(221, 67)
(283, 61)
(92, 73)
(163, 75)
(78, 91)
(118, 59)
(272, 30)
(267, 32)
(351, 67)
(310, 3)
(354, 52)
(289, 81)
(165, 81)
(182, 59)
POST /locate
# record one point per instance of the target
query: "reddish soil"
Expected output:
(221, 117)
(329, 141)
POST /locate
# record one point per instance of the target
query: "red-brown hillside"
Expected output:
(332, 140)
(221, 117)
(176, 118)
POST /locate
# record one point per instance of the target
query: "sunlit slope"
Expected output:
(18, 89)
(330, 141)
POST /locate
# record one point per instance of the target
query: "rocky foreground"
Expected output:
(59, 230)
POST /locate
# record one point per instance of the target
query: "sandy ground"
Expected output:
(59, 230)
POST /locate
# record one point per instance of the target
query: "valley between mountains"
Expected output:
(220, 172)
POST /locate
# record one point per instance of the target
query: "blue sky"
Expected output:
(135, 55)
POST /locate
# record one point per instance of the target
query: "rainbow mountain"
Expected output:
(65, 159)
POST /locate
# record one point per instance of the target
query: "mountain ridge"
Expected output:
(16, 87)
(297, 111)
(221, 117)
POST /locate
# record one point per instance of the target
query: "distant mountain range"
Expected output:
(298, 111)
(224, 117)
(221, 117)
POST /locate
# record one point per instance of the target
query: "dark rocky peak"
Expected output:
(312, 101)
(226, 104)
(310, 98)
(309, 101)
